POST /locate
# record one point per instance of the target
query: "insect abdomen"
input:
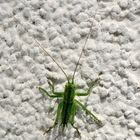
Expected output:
(66, 112)
(68, 103)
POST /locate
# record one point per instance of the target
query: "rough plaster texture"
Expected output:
(61, 26)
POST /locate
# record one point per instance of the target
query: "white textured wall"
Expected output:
(61, 26)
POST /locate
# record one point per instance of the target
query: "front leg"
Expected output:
(91, 85)
(54, 94)
(51, 84)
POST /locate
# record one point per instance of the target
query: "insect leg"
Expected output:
(44, 92)
(59, 109)
(88, 112)
(82, 94)
(59, 94)
(76, 128)
(91, 85)
(51, 84)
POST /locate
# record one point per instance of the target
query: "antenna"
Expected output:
(47, 54)
(81, 54)
(52, 59)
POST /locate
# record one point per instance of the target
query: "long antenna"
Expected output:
(52, 59)
(81, 55)
(39, 45)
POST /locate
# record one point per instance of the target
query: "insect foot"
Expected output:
(99, 122)
(48, 130)
(77, 131)
(95, 82)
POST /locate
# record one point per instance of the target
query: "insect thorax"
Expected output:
(69, 93)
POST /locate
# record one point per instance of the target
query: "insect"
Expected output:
(68, 105)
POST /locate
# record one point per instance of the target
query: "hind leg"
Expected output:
(97, 121)
(59, 109)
